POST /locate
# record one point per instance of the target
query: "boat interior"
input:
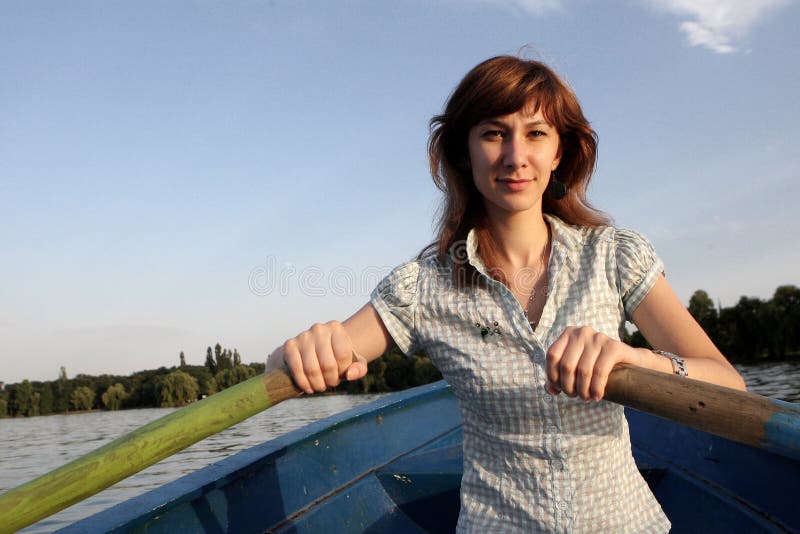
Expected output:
(395, 466)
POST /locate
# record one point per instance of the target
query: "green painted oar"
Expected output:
(141, 448)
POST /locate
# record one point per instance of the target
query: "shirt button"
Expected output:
(552, 429)
(561, 505)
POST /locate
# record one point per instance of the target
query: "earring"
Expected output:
(556, 188)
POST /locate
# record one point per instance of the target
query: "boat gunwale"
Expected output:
(139, 509)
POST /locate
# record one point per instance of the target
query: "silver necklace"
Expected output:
(542, 269)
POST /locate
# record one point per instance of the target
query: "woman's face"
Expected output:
(512, 157)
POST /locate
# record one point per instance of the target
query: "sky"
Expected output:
(177, 174)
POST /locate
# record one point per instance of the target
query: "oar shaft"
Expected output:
(141, 448)
(736, 415)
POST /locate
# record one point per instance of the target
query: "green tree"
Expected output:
(183, 360)
(211, 363)
(23, 398)
(742, 334)
(701, 307)
(36, 400)
(230, 377)
(46, 404)
(224, 360)
(143, 385)
(219, 357)
(113, 396)
(399, 372)
(237, 359)
(3, 408)
(424, 371)
(82, 398)
(177, 388)
(62, 393)
(208, 386)
(242, 373)
(785, 304)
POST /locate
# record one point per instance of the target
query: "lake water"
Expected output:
(34, 446)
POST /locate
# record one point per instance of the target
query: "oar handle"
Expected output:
(89, 474)
(743, 417)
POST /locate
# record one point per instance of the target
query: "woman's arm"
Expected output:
(319, 357)
(580, 360)
(667, 325)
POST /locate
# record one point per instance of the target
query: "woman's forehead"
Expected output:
(531, 112)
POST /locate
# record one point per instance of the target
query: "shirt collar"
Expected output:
(563, 234)
(564, 238)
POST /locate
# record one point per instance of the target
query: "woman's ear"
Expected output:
(557, 159)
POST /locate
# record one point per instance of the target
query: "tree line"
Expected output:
(752, 330)
(183, 384)
(162, 387)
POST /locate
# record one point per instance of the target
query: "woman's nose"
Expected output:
(514, 153)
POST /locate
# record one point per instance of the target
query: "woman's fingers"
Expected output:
(552, 363)
(569, 363)
(607, 359)
(320, 356)
(563, 357)
(357, 369)
(342, 347)
(579, 362)
(294, 361)
(325, 358)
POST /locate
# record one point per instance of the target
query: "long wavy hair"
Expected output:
(500, 86)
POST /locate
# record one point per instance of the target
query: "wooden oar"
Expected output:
(743, 417)
(141, 448)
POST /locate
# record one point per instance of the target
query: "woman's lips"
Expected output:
(514, 185)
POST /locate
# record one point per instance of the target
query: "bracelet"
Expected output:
(678, 363)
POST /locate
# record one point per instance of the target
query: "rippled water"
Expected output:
(34, 446)
(778, 380)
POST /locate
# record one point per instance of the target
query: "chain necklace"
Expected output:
(542, 270)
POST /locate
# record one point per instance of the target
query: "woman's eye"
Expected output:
(537, 133)
(492, 134)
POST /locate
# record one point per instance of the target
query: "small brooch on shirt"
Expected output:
(489, 330)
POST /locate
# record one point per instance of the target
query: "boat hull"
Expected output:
(394, 465)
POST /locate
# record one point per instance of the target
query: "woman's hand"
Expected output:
(319, 357)
(580, 360)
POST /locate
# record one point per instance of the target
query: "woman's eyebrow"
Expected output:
(498, 122)
(538, 122)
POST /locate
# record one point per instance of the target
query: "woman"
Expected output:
(523, 297)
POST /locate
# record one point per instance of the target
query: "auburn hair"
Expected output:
(500, 86)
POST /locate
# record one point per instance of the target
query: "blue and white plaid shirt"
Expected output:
(532, 462)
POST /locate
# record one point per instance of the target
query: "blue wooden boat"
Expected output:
(395, 466)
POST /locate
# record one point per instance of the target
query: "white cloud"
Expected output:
(718, 24)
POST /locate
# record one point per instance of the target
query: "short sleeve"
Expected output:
(395, 300)
(638, 268)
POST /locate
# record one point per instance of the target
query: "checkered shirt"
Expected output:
(532, 462)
